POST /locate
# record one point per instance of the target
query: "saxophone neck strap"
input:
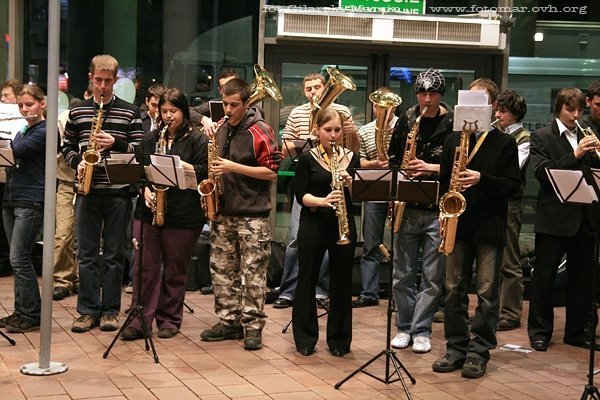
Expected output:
(477, 146)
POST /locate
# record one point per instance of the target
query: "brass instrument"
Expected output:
(340, 207)
(159, 203)
(386, 102)
(91, 156)
(263, 86)
(334, 87)
(396, 212)
(453, 203)
(211, 189)
(589, 132)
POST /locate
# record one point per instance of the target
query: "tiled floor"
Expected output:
(191, 369)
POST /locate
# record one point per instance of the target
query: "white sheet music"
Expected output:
(571, 187)
(121, 158)
(10, 127)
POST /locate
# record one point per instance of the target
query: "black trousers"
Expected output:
(317, 234)
(549, 251)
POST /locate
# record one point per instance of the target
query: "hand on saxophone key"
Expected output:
(222, 166)
(103, 141)
(332, 199)
(468, 178)
(149, 198)
(419, 167)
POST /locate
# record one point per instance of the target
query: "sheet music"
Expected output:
(571, 187)
(374, 175)
(121, 158)
(167, 170)
(9, 128)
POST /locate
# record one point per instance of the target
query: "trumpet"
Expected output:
(589, 132)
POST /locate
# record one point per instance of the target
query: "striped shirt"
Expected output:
(366, 135)
(121, 120)
(296, 126)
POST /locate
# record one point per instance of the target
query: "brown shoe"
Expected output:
(166, 333)
(109, 322)
(507, 325)
(131, 334)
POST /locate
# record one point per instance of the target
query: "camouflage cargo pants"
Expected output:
(239, 257)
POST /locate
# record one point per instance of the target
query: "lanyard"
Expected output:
(477, 146)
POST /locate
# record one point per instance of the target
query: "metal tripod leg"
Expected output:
(320, 301)
(5, 336)
(135, 312)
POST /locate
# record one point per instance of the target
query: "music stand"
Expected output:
(7, 159)
(390, 185)
(127, 173)
(583, 187)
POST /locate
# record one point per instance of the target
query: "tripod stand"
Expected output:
(376, 187)
(320, 303)
(137, 311)
(591, 391)
(8, 339)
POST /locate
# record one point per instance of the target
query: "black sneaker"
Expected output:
(3, 320)
(253, 340)
(21, 325)
(474, 367)
(222, 332)
(362, 301)
(448, 363)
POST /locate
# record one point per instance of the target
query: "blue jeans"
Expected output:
(289, 279)
(100, 217)
(416, 306)
(459, 273)
(373, 227)
(22, 226)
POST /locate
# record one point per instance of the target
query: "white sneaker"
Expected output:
(421, 344)
(401, 340)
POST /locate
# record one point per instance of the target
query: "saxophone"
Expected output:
(91, 156)
(340, 207)
(453, 203)
(211, 189)
(396, 211)
(159, 203)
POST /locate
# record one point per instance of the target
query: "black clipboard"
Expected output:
(216, 110)
(571, 186)
(377, 185)
(124, 170)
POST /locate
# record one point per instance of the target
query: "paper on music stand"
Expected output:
(472, 106)
(167, 170)
(571, 187)
(10, 127)
(7, 157)
(121, 158)
(375, 185)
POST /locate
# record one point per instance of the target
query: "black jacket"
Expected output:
(484, 220)
(550, 149)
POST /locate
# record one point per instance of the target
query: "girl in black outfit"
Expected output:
(168, 248)
(318, 232)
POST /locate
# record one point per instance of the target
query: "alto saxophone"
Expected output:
(159, 203)
(211, 189)
(453, 203)
(91, 156)
(396, 211)
(340, 207)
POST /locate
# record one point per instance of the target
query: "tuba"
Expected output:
(397, 208)
(334, 87)
(159, 205)
(91, 156)
(589, 132)
(340, 207)
(453, 203)
(263, 86)
(211, 188)
(386, 102)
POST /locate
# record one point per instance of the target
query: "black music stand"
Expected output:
(390, 185)
(7, 159)
(583, 187)
(128, 173)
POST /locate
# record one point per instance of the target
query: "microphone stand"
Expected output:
(137, 311)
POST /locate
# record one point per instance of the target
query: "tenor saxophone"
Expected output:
(211, 188)
(159, 203)
(396, 210)
(340, 206)
(453, 203)
(91, 156)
